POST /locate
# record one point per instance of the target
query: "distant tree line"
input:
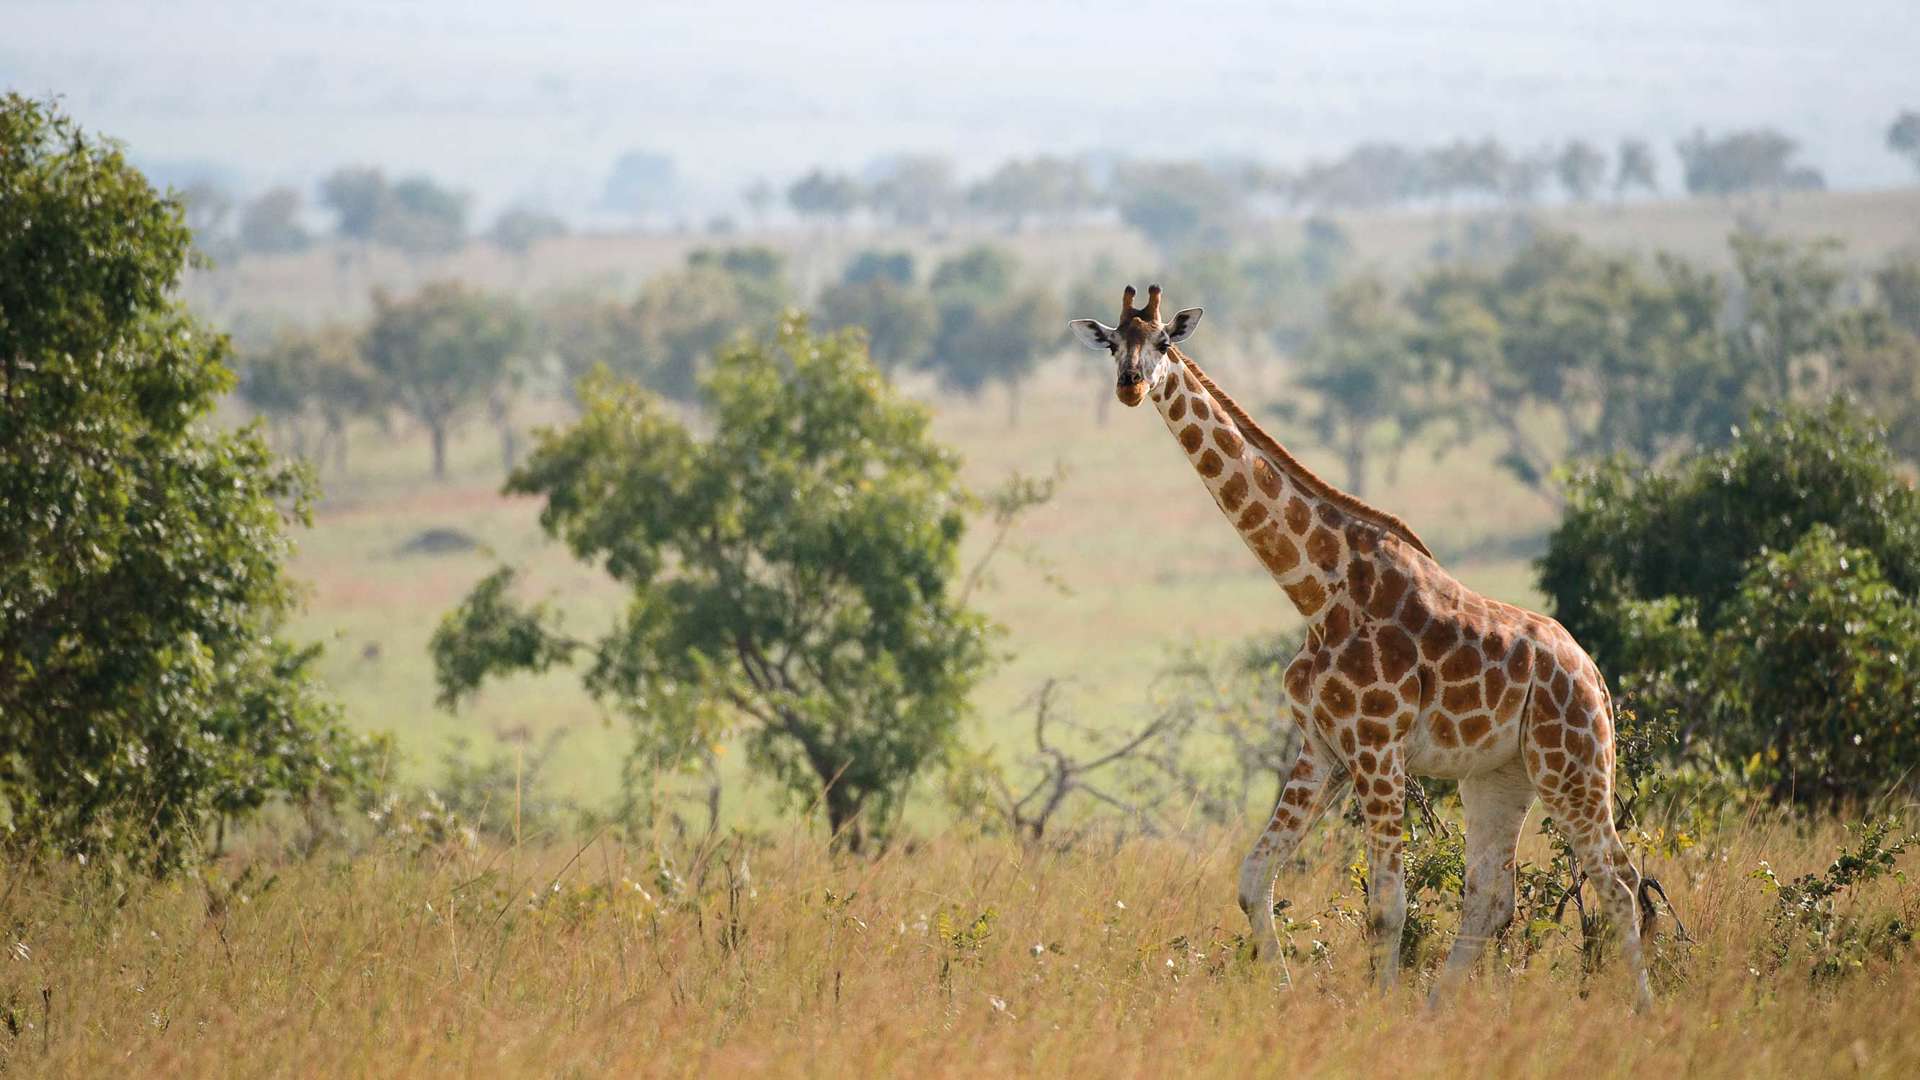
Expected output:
(1564, 351)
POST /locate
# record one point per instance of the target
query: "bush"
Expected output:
(1764, 594)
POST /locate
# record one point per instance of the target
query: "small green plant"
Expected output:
(1816, 915)
(961, 943)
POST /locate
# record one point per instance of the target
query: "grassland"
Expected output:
(416, 953)
(962, 956)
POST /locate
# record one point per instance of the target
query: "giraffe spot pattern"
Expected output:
(1178, 409)
(1234, 491)
(1210, 466)
(1299, 517)
(1191, 437)
(1265, 477)
(1323, 550)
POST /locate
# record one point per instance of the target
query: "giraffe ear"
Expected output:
(1182, 326)
(1092, 334)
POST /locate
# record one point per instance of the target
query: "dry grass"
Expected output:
(488, 961)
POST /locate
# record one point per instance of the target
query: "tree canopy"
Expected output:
(791, 574)
(145, 685)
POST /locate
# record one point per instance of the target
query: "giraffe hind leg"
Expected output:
(1569, 755)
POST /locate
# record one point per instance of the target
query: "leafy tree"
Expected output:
(358, 197)
(145, 686)
(1045, 188)
(1633, 166)
(423, 218)
(440, 354)
(1898, 285)
(584, 333)
(687, 316)
(899, 319)
(518, 229)
(1810, 675)
(1372, 174)
(1758, 159)
(989, 331)
(791, 575)
(1581, 169)
(1903, 136)
(1621, 359)
(1762, 594)
(821, 194)
(1178, 205)
(1787, 292)
(642, 184)
(303, 377)
(915, 190)
(1689, 530)
(270, 224)
(894, 266)
(1362, 368)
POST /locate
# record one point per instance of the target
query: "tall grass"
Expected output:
(958, 956)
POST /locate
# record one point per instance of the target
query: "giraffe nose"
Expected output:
(1131, 377)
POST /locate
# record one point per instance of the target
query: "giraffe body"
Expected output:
(1405, 671)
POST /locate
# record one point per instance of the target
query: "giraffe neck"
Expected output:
(1286, 516)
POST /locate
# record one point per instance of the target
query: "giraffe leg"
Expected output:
(1569, 754)
(1303, 799)
(1496, 805)
(1383, 798)
(1604, 859)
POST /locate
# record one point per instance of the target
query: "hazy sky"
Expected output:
(534, 101)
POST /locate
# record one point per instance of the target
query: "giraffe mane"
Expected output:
(1268, 445)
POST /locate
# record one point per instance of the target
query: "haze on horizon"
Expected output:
(533, 103)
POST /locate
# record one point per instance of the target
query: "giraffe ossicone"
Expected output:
(1405, 672)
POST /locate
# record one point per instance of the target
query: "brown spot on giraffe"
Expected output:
(1475, 728)
(1191, 437)
(1299, 516)
(1308, 595)
(1254, 514)
(1438, 638)
(1356, 662)
(1323, 550)
(1178, 409)
(1338, 698)
(1387, 593)
(1276, 551)
(1379, 703)
(1210, 466)
(1398, 653)
(1200, 409)
(1265, 477)
(1462, 663)
(1229, 440)
(1233, 492)
(1461, 698)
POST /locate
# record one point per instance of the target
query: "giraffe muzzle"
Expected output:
(1131, 388)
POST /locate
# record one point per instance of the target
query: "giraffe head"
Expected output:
(1138, 343)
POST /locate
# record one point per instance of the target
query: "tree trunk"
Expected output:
(843, 820)
(439, 433)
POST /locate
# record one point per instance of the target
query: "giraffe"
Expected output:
(1404, 672)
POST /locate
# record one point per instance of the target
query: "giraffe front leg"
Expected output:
(1382, 793)
(1303, 798)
